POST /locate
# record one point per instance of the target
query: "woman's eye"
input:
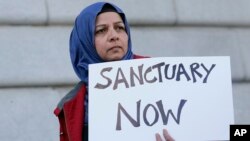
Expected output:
(119, 28)
(99, 31)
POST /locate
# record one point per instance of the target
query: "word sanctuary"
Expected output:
(154, 74)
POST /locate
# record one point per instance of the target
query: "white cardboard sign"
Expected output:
(189, 96)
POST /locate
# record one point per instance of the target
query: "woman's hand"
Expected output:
(166, 136)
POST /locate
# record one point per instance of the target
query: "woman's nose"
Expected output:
(113, 35)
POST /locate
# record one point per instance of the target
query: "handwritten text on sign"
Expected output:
(139, 74)
(167, 71)
(156, 93)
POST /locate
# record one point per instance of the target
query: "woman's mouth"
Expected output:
(114, 48)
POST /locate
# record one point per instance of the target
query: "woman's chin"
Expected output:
(115, 58)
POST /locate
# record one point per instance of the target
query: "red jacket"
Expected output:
(70, 112)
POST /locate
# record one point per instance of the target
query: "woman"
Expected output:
(100, 34)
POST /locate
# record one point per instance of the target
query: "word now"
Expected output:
(153, 74)
(137, 122)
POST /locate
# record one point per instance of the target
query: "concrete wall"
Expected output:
(35, 69)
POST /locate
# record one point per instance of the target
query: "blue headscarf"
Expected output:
(82, 40)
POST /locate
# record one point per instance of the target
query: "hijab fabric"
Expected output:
(82, 39)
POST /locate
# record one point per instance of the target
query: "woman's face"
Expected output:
(111, 39)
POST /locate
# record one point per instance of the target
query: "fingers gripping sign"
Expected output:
(166, 135)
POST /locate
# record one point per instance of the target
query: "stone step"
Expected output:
(23, 110)
(35, 56)
(164, 12)
(213, 12)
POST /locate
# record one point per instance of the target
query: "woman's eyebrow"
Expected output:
(118, 22)
(101, 25)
